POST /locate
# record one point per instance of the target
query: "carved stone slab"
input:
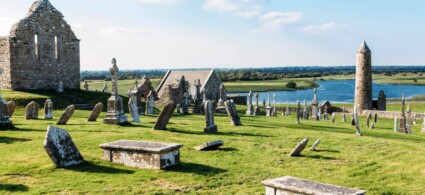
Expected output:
(165, 116)
(96, 112)
(69, 111)
(210, 145)
(60, 148)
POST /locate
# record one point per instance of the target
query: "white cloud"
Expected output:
(252, 11)
(160, 1)
(122, 30)
(275, 20)
(323, 28)
(221, 5)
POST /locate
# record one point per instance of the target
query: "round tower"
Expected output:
(363, 92)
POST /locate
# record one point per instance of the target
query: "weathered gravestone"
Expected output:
(269, 106)
(376, 118)
(185, 106)
(5, 122)
(134, 111)
(333, 117)
(295, 186)
(274, 109)
(250, 109)
(11, 108)
(305, 110)
(315, 115)
(232, 113)
(369, 117)
(356, 120)
(96, 112)
(48, 109)
(299, 148)
(165, 116)
(150, 103)
(209, 118)
(60, 148)
(32, 110)
(396, 125)
(257, 104)
(69, 111)
(313, 148)
(298, 112)
(210, 145)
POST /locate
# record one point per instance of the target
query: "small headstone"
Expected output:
(165, 116)
(210, 145)
(48, 109)
(11, 108)
(299, 148)
(356, 120)
(69, 111)
(5, 122)
(134, 111)
(96, 112)
(60, 148)
(313, 148)
(32, 110)
(209, 118)
(396, 125)
(178, 108)
(333, 117)
(232, 113)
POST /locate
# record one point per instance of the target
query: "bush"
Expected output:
(291, 85)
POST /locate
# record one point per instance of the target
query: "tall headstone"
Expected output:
(134, 111)
(60, 148)
(115, 114)
(288, 111)
(315, 107)
(257, 106)
(376, 118)
(222, 94)
(232, 113)
(209, 118)
(409, 120)
(269, 106)
(369, 117)
(32, 110)
(69, 111)
(96, 112)
(356, 120)
(197, 98)
(298, 112)
(185, 106)
(396, 127)
(274, 109)
(150, 103)
(5, 122)
(363, 90)
(105, 88)
(48, 109)
(403, 125)
(382, 101)
(305, 110)
(250, 109)
(86, 85)
(165, 116)
(11, 108)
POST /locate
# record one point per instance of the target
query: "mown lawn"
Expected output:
(381, 162)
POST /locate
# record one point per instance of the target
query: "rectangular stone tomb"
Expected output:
(292, 185)
(142, 154)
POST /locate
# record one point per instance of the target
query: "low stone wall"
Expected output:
(389, 114)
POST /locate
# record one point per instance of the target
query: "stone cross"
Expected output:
(48, 109)
(86, 85)
(356, 120)
(60, 148)
(114, 77)
(232, 113)
(69, 111)
(209, 117)
(96, 112)
(315, 111)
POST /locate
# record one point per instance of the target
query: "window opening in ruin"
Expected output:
(56, 48)
(36, 46)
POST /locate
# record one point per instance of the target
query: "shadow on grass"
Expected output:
(319, 157)
(201, 132)
(228, 149)
(93, 168)
(9, 140)
(25, 129)
(198, 169)
(13, 187)
(331, 151)
(260, 126)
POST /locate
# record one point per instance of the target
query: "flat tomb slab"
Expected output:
(293, 185)
(142, 154)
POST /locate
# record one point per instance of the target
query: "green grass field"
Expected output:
(381, 162)
(273, 85)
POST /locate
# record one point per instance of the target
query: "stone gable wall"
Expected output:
(5, 63)
(212, 88)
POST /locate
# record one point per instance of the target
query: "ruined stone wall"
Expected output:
(212, 88)
(44, 51)
(5, 81)
(173, 92)
(363, 90)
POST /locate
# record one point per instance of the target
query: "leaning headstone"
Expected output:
(298, 112)
(69, 111)
(299, 148)
(313, 148)
(11, 108)
(333, 117)
(32, 110)
(5, 122)
(369, 117)
(48, 109)
(210, 145)
(134, 111)
(209, 118)
(165, 116)
(396, 125)
(96, 112)
(60, 148)
(356, 120)
(232, 113)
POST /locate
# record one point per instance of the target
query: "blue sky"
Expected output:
(150, 34)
